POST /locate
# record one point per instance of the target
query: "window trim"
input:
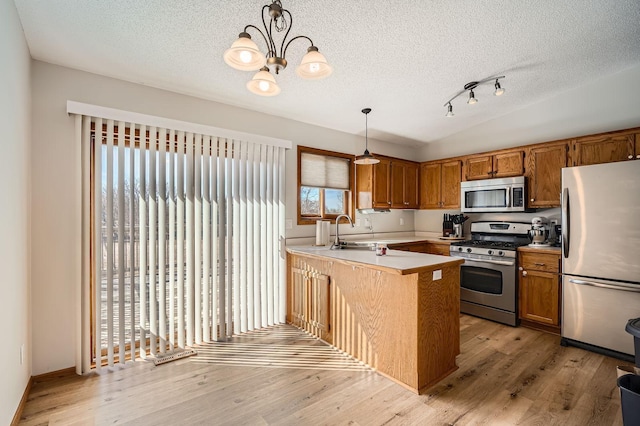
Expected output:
(349, 197)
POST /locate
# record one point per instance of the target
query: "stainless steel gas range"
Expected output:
(488, 278)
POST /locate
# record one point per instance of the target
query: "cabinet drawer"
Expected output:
(541, 262)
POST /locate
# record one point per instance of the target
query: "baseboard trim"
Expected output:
(65, 372)
(54, 375)
(23, 402)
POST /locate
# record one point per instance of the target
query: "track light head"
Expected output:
(450, 111)
(499, 90)
(472, 98)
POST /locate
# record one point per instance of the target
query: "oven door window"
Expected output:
(482, 280)
(486, 198)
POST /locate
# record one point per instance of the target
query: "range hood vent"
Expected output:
(372, 211)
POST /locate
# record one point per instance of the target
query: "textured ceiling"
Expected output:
(404, 59)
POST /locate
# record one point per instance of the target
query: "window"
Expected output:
(325, 181)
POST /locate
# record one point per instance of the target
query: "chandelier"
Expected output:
(244, 54)
(472, 97)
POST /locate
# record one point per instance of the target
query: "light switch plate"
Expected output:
(437, 275)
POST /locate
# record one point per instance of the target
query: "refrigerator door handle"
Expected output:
(566, 222)
(623, 287)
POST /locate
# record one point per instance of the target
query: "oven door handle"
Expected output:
(493, 262)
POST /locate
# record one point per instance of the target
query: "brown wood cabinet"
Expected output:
(497, 165)
(310, 300)
(440, 184)
(540, 291)
(606, 148)
(544, 173)
(404, 185)
(391, 183)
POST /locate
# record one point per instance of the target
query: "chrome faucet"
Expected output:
(336, 243)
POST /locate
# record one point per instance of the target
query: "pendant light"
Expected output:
(366, 158)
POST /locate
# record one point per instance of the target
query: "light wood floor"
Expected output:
(280, 376)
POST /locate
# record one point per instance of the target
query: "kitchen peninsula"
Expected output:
(398, 313)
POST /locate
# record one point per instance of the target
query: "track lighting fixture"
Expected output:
(244, 54)
(472, 96)
(366, 158)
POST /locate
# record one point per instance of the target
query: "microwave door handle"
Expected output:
(508, 200)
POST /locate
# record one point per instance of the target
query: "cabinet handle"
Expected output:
(524, 273)
(533, 199)
(630, 157)
(638, 156)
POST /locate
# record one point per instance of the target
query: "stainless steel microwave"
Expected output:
(493, 195)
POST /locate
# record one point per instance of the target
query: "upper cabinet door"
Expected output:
(508, 164)
(607, 148)
(450, 188)
(430, 185)
(411, 185)
(544, 164)
(397, 185)
(382, 184)
(479, 167)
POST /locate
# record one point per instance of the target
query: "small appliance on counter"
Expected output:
(558, 233)
(452, 226)
(539, 232)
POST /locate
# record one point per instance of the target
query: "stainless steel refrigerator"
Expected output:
(600, 256)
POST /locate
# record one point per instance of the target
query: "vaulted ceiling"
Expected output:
(403, 58)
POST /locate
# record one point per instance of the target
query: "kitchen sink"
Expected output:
(357, 245)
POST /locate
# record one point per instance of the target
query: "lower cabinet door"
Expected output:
(539, 292)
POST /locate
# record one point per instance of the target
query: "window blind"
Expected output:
(185, 236)
(322, 171)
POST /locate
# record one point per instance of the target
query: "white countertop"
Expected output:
(395, 261)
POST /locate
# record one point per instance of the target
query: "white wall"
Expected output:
(14, 210)
(610, 103)
(55, 187)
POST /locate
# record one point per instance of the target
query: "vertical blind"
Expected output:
(186, 232)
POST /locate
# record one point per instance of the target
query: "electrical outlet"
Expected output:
(401, 221)
(367, 223)
(437, 275)
(357, 223)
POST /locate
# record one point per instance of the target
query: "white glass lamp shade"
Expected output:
(314, 65)
(366, 159)
(263, 83)
(499, 90)
(244, 54)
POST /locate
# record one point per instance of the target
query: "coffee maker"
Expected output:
(539, 232)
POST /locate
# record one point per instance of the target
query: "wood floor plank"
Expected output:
(281, 376)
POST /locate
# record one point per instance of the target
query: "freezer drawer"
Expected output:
(596, 311)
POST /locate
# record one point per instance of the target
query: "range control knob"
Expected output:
(500, 253)
(490, 252)
(459, 248)
(469, 250)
